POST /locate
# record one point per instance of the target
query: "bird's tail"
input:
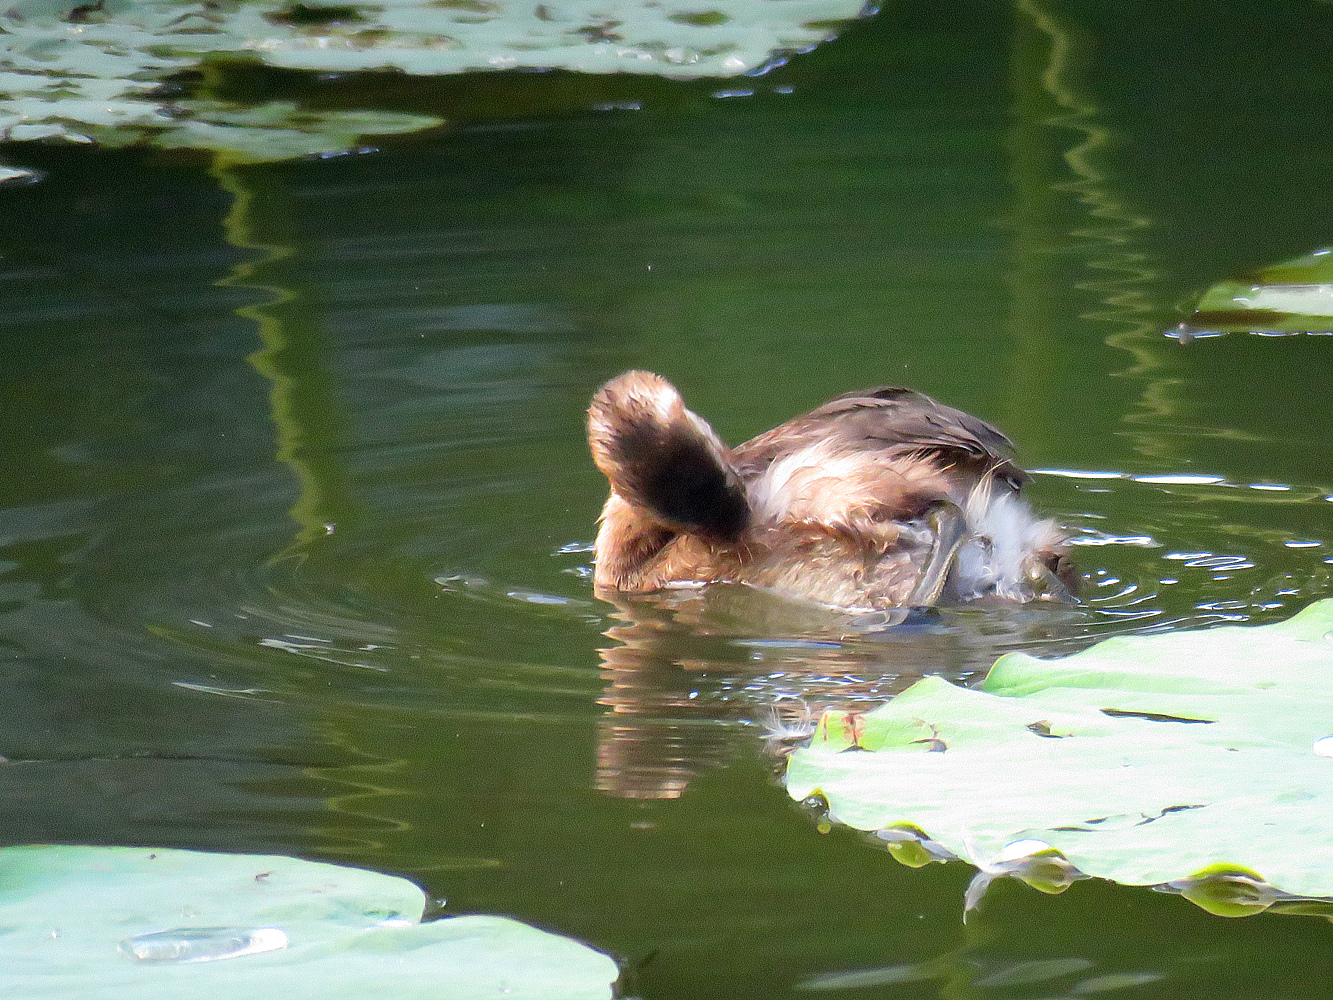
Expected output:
(664, 459)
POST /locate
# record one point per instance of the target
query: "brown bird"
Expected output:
(882, 498)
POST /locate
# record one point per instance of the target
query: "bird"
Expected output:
(878, 499)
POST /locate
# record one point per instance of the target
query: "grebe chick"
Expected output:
(878, 499)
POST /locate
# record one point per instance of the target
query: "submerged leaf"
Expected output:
(1037, 971)
(1114, 981)
(862, 978)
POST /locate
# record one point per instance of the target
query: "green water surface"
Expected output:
(295, 506)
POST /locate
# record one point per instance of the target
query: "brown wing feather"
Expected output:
(889, 419)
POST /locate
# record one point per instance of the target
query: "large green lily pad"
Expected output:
(1146, 760)
(107, 923)
(92, 72)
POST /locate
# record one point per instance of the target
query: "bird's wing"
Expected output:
(891, 420)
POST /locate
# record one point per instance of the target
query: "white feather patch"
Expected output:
(1003, 534)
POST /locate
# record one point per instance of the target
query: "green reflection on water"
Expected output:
(1049, 55)
(304, 411)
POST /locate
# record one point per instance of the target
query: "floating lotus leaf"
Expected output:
(16, 174)
(1196, 761)
(85, 72)
(107, 923)
(1295, 296)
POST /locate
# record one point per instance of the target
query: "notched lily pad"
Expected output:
(1178, 753)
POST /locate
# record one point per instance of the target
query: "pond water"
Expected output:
(296, 513)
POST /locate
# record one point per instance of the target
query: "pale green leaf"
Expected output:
(95, 74)
(1148, 760)
(95, 922)
(1295, 296)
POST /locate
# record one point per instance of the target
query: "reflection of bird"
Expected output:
(877, 499)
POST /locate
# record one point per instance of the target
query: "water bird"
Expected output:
(878, 499)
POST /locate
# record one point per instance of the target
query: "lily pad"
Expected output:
(1295, 296)
(116, 922)
(1189, 760)
(92, 72)
(16, 174)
